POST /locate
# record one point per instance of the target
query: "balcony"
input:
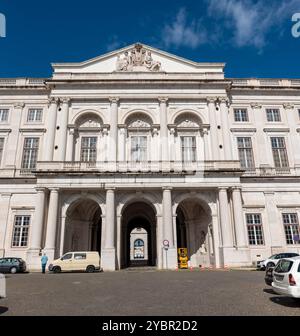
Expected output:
(132, 167)
(272, 171)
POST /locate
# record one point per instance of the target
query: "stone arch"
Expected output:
(189, 112)
(205, 202)
(148, 198)
(88, 112)
(138, 112)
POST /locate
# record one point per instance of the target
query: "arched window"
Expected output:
(139, 249)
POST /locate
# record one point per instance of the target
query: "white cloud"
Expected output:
(183, 33)
(251, 21)
(114, 43)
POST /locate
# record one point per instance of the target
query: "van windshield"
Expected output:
(283, 266)
(66, 256)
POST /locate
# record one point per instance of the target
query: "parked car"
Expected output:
(287, 277)
(76, 261)
(273, 260)
(12, 265)
(269, 276)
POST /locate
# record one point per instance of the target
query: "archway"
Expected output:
(83, 229)
(138, 246)
(194, 231)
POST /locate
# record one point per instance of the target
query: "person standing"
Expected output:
(44, 261)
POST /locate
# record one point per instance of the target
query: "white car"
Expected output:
(286, 277)
(273, 260)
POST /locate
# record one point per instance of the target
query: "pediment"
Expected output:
(138, 58)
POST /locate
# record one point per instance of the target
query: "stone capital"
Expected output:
(163, 100)
(211, 100)
(40, 189)
(52, 101)
(256, 105)
(114, 100)
(288, 106)
(110, 188)
(54, 190)
(19, 105)
(168, 188)
(223, 100)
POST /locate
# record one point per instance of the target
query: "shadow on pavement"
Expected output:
(269, 291)
(286, 301)
(3, 310)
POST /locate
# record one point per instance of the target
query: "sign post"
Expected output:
(166, 245)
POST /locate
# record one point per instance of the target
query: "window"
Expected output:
(279, 153)
(291, 228)
(35, 115)
(21, 229)
(255, 230)
(188, 148)
(79, 256)
(88, 149)
(283, 266)
(273, 115)
(245, 152)
(1, 148)
(139, 148)
(66, 256)
(3, 115)
(241, 115)
(30, 153)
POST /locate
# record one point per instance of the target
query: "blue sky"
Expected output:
(252, 36)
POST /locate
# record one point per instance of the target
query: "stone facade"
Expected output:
(139, 138)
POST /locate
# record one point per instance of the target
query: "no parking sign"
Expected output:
(166, 244)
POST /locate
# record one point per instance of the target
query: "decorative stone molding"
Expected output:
(211, 100)
(114, 100)
(65, 100)
(288, 106)
(137, 59)
(53, 100)
(246, 130)
(256, 105)
(276, 129)
(19, 105)
(163, 99)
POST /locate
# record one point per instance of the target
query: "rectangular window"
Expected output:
(3, 115)
(30, 153)
(254, 228)
(188, 148)
(35, 115)
(279, 153)
(88, 149)
(241, 115)
(245, 153)
(291, 228)
(139, 148)
(21, 229)
(273, 115)
(1, 148)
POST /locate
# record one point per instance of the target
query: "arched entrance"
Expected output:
(138, 246)
(194, 231)
(83, 229)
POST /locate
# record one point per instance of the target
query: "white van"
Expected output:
(76, 261)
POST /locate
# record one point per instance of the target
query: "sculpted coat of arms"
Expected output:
(137, 59)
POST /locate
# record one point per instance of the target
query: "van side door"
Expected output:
(79, 262)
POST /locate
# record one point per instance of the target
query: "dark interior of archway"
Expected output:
(138, 215)
(181, 230)
(139, 222)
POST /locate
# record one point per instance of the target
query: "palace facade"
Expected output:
(137, 148)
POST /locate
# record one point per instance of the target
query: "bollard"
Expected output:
(2, 286)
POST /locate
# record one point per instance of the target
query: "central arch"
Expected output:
(138, 228)
(83, 228)
(194, 231)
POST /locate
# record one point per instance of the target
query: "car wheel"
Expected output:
(90, 269)
(13, 270)
(56, 269)
(270, 264)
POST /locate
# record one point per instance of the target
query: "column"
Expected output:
(164, 129)
(172, 144)
(216, 240)
(227, 145)
(122, 144)
(4, 212)
(70, 144)
(51, 223)
(63, 129)
(12, 150)
(62, 235)
(113, 133)
(207, 154)
(108, 251)
(213, 128)
(240, 227)
(37, 230)
(51, 128)
(171, 254)
(225, 219)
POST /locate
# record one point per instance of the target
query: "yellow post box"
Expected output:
(182, 258)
